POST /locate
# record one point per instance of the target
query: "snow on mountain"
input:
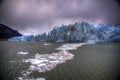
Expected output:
(78, 32)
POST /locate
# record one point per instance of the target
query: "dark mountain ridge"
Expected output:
(6, 32)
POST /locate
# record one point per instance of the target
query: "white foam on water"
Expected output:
(23, 53)
(46, 62)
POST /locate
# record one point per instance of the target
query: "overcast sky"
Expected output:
(38, 16)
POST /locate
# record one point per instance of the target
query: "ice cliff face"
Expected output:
(78, 32)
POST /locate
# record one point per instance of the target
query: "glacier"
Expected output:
(78, 32)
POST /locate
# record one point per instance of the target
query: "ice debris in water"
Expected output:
(46, 44)
(40, 79)
(21, 78)
(22, 52)
(46, 62)
(70, 46)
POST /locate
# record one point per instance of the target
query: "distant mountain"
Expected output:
(78, 32)
(6, 32)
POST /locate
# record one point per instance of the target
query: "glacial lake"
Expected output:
(99, 61)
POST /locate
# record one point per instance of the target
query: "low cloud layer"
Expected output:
(38, 16)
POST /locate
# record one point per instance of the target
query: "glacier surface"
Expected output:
(78, 32)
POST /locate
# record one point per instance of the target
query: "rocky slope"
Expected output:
(6, 32)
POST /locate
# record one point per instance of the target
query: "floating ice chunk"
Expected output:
(52, 57)
(20, 78)
(46, 44)
(54, 61)
(32, 67)
(43, 64)
(34, 61)
(40, 79)
(37, 56)
(27, 72)
(24, 53)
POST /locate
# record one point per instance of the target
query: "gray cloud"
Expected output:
(37, 16)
